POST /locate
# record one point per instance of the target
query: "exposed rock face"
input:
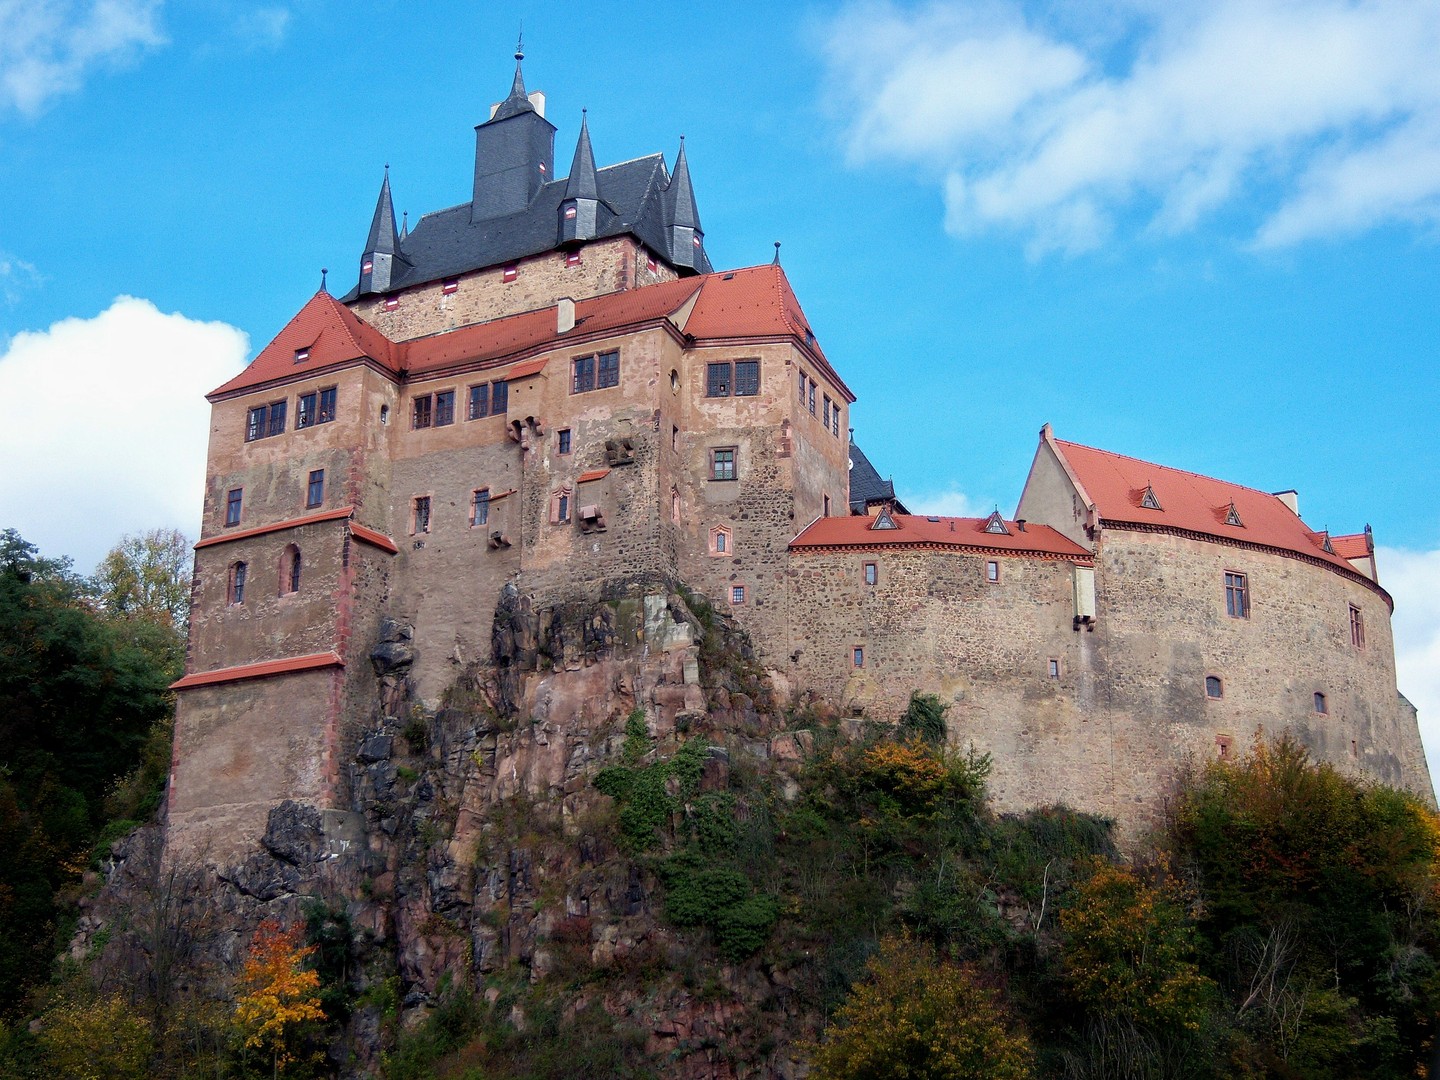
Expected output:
(475, 843)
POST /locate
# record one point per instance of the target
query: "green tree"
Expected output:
(145, 581)
(99, 1039)
(916, 1017)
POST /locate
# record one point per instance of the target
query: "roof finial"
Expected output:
(520, 42)
(404, 224)
(776, 260)
(323, 272)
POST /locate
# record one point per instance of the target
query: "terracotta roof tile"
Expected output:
(277, 526)
(856, 531)
(1353, 546)
(257, 671)
(331, 333)
(1190, 502)
(593, 474)
(374, 538)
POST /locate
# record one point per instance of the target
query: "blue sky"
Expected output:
(1200, 233)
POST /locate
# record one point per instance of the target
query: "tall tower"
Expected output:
(514, 153)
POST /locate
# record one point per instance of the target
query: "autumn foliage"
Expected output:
(279, 996)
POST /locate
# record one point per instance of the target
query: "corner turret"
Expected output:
(382, 247)
(682, 220)
(580, 208)
(514, 153)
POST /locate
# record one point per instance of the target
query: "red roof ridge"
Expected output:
(276, 526)
(1174, 469)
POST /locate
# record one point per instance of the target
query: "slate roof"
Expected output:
(913, 530)
(755, 304)
(866, 486)
(1190, 502)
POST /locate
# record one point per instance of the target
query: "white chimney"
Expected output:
(1290, 499)
(564, 315)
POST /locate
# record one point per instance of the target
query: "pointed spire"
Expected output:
(383, 238)
(518, 100)
(404, 225)
(682, 194)
(323, 271)
(582, 183)
(776, 261)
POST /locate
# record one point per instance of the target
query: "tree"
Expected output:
(147, 575)
(281, 997)
(100, 1039)
(919, 1018)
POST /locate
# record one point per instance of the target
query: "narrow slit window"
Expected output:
(872, 573)
(315, 490)
(1321, 705)
(857, 656)
(1054, 668)
(420, 515)
(562, 438)
(992, 570)
(237, 583)
(1357, 627)
(480, 507)
(233, 499)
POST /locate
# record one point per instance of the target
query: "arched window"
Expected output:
(1214, 688)
(290, 570)
(236, 586)
(1321, 705)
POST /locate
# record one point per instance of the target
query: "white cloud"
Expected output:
(48, 47)
(263, 28)
(104, 426)
(1321, 112)
(1413, 579)
(952, 502)
(16, 275)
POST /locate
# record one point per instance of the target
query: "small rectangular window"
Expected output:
(444, 408)
(737, 594)
(326, 412)
(722, 463)
(422, 414)
(479, 402)
(812, 397)
(304, 411)
(480, 507)
(582, 374)
(1054, 668)
(857, 656)
(499, 396)
(825, 413)
(1237, 595)
(801, 384)
(255, 423)
(572, 258)
(301, 355)
(872, 573)
(747, 378)
(232, 505)
(562, 509)
(315, 491)
(835, 421)
(992, 570)
(420, 515)
(1357, 627)
(717, 380)
(392, 302)
(449, 286)
(277, 419)
(1214, 688)
(510, 272)
(651, 264)
(562, 438)
(1222, 746)
(609, 374)
(1321, 706)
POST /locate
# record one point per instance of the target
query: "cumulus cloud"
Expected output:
(48, 47)
(1413, 578)
(1320, 112)
(104, 426)
(951, 502)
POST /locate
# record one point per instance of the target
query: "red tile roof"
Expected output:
(593, 474)
(260, 670)
(1353, 546)
(1190, 502)
(371, 536)
(331, 332)
(261, 530)
(751, 304)
(912, 530)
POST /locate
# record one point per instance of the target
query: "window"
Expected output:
(499, 396)
(675, 505)
(1237, 595)
(992, 570)
(742, 379)
(609, 369)
(1357, 627)
(812, 397)
(825, 414)
(572, 258)
(422, 413)
(722, 463)
(835, 421)
(384, 414)
(444, 408)
(720, 540)
(857, 656)
(651, 264)
(304, 411)
(449, 286)
(255, 423)
(872, 573)
(562, 438)
(301, 355)
(276, 424)
(1321, 706)
(392, 302)
(236, 588)
(480, 507)
(582, 374)
(802, 387)
(479, 402)
(1222, 746)
(420, 515)
(315, 492)
(510, 272)
(1214, 688)
(560, 507)
(1054, 668)
(326, 413)
(674, 438)
(737, 594)
(232, 506)
(290, 571)
(825, 506)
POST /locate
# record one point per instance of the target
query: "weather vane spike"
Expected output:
(520, 43)
(323, 272)
(777, 253)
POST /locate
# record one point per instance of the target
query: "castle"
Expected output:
(548, 387)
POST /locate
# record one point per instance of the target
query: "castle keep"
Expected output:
(548, 387)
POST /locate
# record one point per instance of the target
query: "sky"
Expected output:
(1199, 233)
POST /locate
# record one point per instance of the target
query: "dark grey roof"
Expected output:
(638, 198)
(383, 238)
(866, 486)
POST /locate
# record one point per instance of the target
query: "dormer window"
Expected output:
(996, 524)
(570, 212)
(1232, 517)
(883, 520)
(1149, 501)
(572, 258)
(301, 355)
(366, 266)
(392, 302)
(651, 264)
(510, 272)
(449, 286)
